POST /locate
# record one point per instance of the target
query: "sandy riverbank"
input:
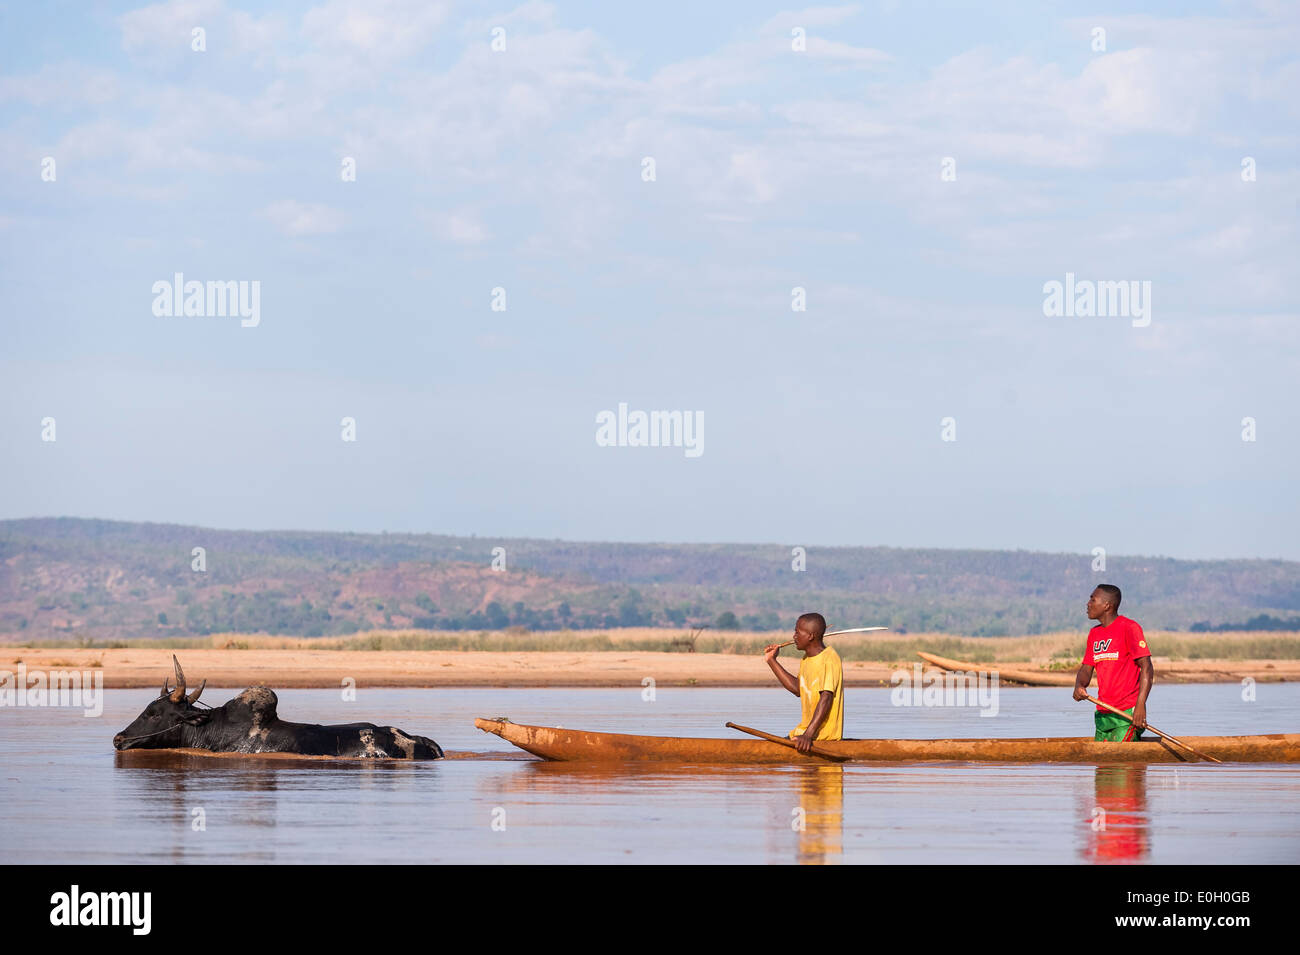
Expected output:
(146, 667)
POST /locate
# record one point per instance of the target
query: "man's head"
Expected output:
(1105, 599)
(808, 629)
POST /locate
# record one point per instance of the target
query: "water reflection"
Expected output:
(66, 797)
(799, 809)
(191, 801)
(822, 801)
(1117, 819)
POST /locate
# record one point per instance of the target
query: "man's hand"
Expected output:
(1140, 716)
(1081, 681)
(787, 680)
(803, 743)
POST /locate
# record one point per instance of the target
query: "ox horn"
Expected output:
(193, 697)
(179, 691)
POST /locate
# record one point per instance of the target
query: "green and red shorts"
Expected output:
(1114, 729)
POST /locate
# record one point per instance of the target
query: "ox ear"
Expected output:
(194, 697)
(197, 718)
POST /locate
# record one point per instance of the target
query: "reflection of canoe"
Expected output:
(1030, 677)
(554, 743)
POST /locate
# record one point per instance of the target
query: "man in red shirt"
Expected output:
(1117, 650)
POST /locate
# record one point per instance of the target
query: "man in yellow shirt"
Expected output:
(820, 686)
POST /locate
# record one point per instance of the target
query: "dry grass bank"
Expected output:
(616, 658)
(1060, 650)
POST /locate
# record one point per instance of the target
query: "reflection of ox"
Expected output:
(249, 724)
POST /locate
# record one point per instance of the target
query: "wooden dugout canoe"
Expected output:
(564, 745)
(1027, 677)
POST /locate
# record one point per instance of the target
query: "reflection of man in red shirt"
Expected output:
(1118, 823)
(1117, 650)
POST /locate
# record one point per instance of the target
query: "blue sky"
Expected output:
(775, 169)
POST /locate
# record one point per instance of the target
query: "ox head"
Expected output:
(165, 722)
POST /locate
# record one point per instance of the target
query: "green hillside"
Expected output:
(109, 580)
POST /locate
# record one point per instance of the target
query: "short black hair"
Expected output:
(813, 618)
(1111, 591)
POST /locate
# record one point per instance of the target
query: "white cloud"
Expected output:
(822, 48)
(810, 17)
(749, 169)
(62, 84)
(303, 218)
(374, 30)
(163, 31)
(262, 38)
(557, 125)
(463, 228)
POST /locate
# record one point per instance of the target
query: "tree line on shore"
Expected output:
(108, 579)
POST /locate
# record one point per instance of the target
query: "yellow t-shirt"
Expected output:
(822, 672)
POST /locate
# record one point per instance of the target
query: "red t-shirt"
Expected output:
(1114, 652)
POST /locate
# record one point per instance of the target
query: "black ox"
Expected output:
(249, 724)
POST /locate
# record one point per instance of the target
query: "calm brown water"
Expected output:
(67, 797)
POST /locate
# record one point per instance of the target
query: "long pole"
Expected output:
(832, 633)
(1172, 739)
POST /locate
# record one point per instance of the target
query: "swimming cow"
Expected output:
(249, 724)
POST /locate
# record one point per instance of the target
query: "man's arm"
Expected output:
(1146, 677)
(1081, 681)
(787, 680)
(824, 701)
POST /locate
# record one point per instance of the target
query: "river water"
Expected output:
(67, 797)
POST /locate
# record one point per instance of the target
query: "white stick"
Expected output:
(832, 633)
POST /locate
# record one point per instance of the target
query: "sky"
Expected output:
(824, 235)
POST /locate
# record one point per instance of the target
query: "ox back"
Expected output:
(250, 724)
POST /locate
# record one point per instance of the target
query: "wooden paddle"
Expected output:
(1172, 739)
(789, 744)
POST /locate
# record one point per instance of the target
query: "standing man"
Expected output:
(1117, 650)
(820, 686)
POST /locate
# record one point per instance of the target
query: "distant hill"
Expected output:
(108, 580)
